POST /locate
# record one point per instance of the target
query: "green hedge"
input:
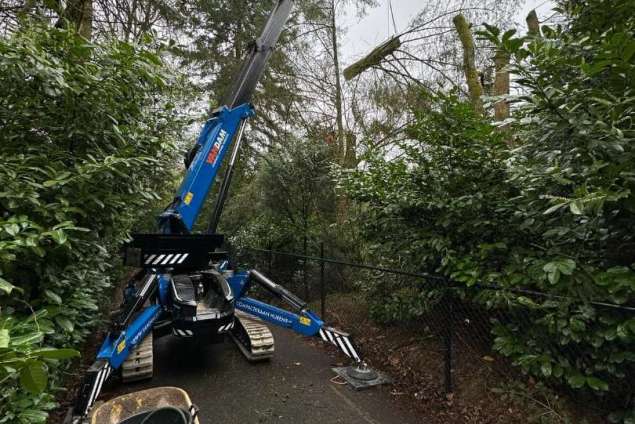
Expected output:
(554, 211)
(86, 133)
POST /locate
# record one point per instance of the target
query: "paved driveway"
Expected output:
(294, 387)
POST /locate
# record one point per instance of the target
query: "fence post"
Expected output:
(448, 341)
(269, 261)
(322, 288)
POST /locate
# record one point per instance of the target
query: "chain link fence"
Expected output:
(461, 324)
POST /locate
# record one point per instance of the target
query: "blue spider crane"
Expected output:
(184, 286)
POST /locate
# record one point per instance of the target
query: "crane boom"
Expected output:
(259, 52)
(223, 130)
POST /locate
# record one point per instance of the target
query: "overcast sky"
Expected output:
(365, 34)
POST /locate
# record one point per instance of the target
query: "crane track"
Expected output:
(139, 364)
(253, 337)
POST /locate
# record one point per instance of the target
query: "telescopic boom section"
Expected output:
(223, 130)
(256, 61)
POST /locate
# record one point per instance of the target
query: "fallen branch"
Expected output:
(374, 58)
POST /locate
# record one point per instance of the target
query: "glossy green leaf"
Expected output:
(65, 323)
(27, 339)
(34, 376)
(59, 236)
(33, 416)
(6, 286)
(53, 297)
(577, 381)
(5, 338)
(597, 384)
(50, 353)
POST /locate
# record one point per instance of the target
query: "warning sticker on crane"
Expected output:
(340, 340)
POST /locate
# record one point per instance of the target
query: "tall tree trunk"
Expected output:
(501, 85)
(339, 118)
(350, 156)
(342, 148)
(469, 61)
(80, 14)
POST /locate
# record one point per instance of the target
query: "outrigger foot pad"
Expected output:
(360, 376)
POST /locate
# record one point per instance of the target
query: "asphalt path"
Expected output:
(294, 387)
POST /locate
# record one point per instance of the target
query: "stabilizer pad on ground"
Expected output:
(360, 378)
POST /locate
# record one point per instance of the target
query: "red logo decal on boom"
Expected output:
(213, 154)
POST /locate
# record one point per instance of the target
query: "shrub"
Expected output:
(87, 131)
(576, 204)
(436, 207)
(554, 214)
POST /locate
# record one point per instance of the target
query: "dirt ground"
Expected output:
(415, 359)
(481, 381)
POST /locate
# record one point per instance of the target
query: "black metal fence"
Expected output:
(461, 328)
